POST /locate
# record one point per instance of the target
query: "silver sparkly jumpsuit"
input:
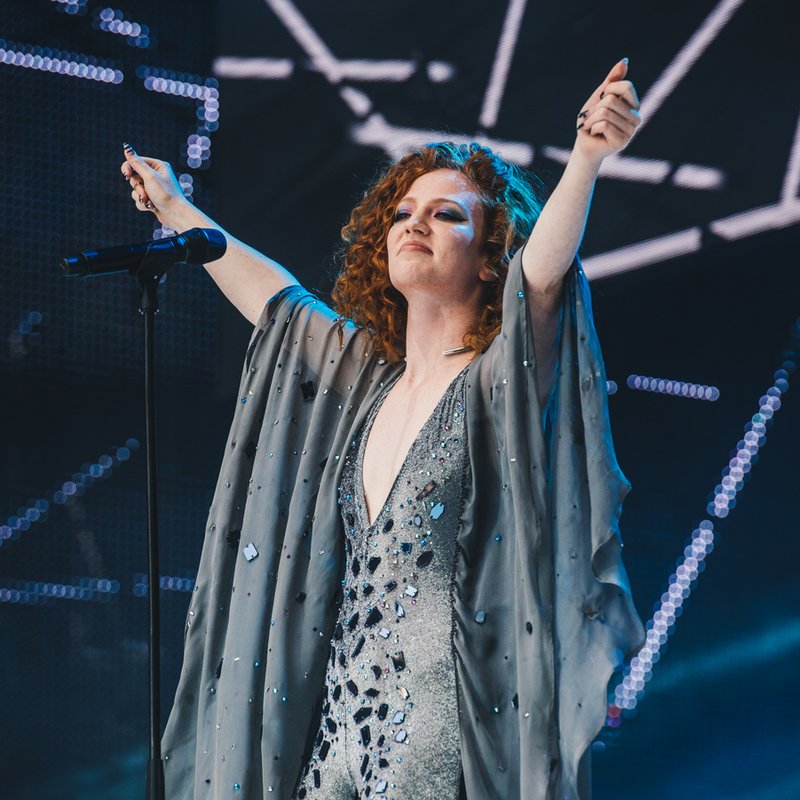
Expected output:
(389, 724)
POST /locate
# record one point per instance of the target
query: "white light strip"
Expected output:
(354, 69)
(356, 101)
(791, 180)
(680, 65)
(502, 63)
(264, 68)
(321, 57)
(661, 626)
(649, 251)
(388, 70)
(695, 391)
(37, 510)
(38, 592)
(74, 65)
(756, 220)
(696, 176)
(396, 141)
(648, 170)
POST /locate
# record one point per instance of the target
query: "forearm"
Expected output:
(558, 232)
(246, 277)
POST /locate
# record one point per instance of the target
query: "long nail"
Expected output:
(583, 114)
(128, 149)
(579, 127)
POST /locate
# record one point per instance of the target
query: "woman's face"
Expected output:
(436, 241)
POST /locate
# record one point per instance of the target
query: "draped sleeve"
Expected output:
(267, 592)
(542, 606)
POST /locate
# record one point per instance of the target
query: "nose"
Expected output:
(416, 223)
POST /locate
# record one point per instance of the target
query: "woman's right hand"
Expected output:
(154, 187)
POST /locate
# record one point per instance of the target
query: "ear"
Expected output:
(488, 274)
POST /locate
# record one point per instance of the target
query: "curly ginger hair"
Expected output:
(363, 291)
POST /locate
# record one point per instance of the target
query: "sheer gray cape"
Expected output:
(557, 611)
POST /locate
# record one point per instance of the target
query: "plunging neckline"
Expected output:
(359, 482)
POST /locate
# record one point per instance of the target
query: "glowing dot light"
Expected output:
(24, 337)
(696, 391)
(691, 562)
(755, 434)
(71, 6)
(46, 59)
(611, 386)
(39, 592)
(204, 91)
(37, 510)
(113, 21)
(169, 583)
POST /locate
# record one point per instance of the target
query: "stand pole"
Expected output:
(149, 308)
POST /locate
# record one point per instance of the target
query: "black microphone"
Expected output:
(195, 246)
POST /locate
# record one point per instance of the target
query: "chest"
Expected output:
(404, 420)
(396, 426)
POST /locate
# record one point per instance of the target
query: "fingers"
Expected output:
(625, 90)
(141, 200)
(613, 110)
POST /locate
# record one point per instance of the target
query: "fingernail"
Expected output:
(579, 127)
(625, 60)
(148, 205)
(128, 149)
(583, 114)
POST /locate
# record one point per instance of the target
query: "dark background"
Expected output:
(286, 163)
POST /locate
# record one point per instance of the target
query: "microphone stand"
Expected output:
(148, 280)
(148, 263)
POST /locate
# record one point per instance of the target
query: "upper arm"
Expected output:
(545, 314)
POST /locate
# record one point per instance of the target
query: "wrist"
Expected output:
(585, 164)
(180, 215)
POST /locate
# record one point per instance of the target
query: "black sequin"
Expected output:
(373, 618)
(307, 388)
(233, 538)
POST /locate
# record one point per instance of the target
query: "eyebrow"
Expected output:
(439, 200)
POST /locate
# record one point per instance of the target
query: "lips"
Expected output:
(416, 245)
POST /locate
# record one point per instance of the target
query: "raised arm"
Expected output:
(605, 126)
(247, 278)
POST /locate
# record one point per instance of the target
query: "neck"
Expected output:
(431, 332)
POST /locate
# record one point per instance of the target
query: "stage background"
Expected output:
(276, 114)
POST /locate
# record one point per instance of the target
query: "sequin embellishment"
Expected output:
(390, 713)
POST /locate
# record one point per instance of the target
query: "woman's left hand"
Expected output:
(609, 117)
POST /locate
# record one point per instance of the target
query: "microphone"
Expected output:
(195, 246)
